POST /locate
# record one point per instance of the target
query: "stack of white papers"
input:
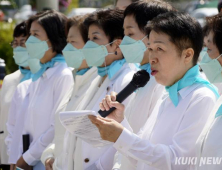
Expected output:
(78, 123)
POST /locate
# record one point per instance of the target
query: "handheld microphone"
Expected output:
(140, 79)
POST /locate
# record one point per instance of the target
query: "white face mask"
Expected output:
(211, 68)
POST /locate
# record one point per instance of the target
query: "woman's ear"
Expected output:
(188, 55)
(117, 50)
(118, 42)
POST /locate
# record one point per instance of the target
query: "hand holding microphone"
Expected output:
(112, 102)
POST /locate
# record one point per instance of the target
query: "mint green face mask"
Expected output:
(95, 54)
(21, 56)
(133, 50)
(211, 68)
(73, 56)
(36, 50)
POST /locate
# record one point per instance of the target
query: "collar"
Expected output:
(81, 79)
(183, 92)
(187, 90)
(125, 66)
(50, 71)
(27, 84)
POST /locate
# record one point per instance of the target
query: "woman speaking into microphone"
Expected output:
(175, 41)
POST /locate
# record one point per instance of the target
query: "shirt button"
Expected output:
(86, 160)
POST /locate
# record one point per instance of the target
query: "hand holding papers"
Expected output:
(78, 123)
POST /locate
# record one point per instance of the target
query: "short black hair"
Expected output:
(20, 30)
(110, 21)
(219, 6)
(184, 31)
(146, 11)
(206, 30)
(214, 24)
(79, 22)
(53, 23)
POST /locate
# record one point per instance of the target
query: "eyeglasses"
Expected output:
(16, 44)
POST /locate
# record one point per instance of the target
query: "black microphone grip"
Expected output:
(26, 142)
(128, 90)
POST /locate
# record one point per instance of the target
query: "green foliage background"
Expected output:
(6, 52)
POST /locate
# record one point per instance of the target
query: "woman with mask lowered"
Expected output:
(77, 36)
(10, 83)
(175, 41)
(101, 51)
(134, 49)
(50, 88)
(208, 145)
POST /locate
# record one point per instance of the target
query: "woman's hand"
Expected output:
(49, 163)
(22, 164)
(109, 129)
(110, 101)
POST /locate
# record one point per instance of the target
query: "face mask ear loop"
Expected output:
(218, 57)
(49, 48)
(109, 44)
(47, 44)
(144, 37)
(143, 42)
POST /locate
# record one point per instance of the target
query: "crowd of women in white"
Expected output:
(83, 62)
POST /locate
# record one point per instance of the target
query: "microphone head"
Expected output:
(140, 78)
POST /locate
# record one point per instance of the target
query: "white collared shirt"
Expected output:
(47, 97)
(15, 122)
(169, 133)
(95, 94)
(209, 145)
(219, 87)
(138, 110)
(142, 104)
(55, 149)
(9, 85)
